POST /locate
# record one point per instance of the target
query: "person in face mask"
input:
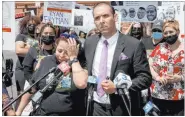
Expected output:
(136, 30)
(157, 37)
(167, 68)
(46, 47)
(24, 40)
(157, 32)
(46, 36)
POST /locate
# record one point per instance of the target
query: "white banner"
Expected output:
(59, 13)
(136, 11)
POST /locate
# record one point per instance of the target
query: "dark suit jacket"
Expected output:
(136, 67)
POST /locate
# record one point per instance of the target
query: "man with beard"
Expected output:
(151, 13)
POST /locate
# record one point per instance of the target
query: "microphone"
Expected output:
(92, 79)
(123, 81)
(62, 69)
(151, 109)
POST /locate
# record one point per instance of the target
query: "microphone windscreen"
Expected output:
(64, 67)
(92, 79)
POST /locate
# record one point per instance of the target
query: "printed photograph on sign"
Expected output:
(137, 11)
(78, 20)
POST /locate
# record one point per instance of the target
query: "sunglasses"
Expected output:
(68, 36)
(156, 30)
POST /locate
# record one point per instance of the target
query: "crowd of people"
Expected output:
(154, 64)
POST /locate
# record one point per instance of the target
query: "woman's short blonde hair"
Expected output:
(171, 23)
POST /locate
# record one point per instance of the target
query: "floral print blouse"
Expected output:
(166, 64)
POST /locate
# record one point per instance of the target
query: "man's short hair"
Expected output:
(112, 8)
(153, 6)
(142, 8)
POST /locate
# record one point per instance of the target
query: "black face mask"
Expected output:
(136, 32)
(47, 39)
(31, 29)
(171, 39)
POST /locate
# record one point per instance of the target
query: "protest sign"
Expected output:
(137, 11)
(59, 13)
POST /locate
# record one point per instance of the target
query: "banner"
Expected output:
(59, 13)
(136, 11)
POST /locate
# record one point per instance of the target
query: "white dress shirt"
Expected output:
(112, 41)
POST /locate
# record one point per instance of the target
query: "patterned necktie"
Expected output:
(102, 68)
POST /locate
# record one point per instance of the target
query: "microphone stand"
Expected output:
(89, 98)
(28, 89)
(39, 94)
(120, 92)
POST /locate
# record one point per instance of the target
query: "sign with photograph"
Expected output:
(83, 20)
(136, 11)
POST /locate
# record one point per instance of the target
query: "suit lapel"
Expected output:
(119, 48)
(92, 52)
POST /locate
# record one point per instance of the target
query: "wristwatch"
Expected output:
(73, 61)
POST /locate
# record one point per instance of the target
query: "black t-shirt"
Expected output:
(149, 46)
(31, 59)
(20, 37)
(61, 99)
(25, 39)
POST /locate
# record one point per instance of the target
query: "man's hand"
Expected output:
(108, 86)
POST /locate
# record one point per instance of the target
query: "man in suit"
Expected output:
(109, 52)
